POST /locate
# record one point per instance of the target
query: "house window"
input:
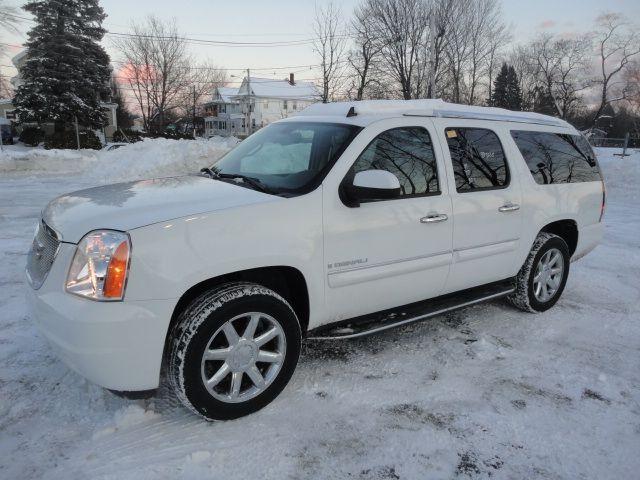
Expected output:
(284, 104)
(265, 104)
(295, 105)
(223, 108)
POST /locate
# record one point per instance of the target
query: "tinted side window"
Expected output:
(478, 159)
(407, 152)
(556, 157)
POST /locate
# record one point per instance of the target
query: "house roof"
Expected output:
(226, 93)
(272, 88)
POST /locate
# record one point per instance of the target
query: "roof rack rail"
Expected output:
(487, 116)
(426, 108)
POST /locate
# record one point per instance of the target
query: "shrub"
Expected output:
(32, 136)
(67, 139)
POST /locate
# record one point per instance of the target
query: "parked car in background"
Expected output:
(345, 220)
(113, 146)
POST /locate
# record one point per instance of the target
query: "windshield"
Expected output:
(288, 158)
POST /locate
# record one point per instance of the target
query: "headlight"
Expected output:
(100, 266)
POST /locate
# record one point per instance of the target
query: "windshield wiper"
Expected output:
(254, 182)
(208, 172)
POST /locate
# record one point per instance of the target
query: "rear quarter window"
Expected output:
(557, 157)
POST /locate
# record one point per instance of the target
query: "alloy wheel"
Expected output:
(548, 276)
(243, 357)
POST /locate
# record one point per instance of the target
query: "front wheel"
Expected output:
(234, 350)
(543, 276)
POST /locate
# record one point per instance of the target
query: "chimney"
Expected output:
(291, 80)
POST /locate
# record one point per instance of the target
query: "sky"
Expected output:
(277, 20)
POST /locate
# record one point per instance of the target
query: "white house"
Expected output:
(222, 114)
(263, 100)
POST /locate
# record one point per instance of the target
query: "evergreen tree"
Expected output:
(500, 88)
(67, 71)
(506, 89)
(513, 94)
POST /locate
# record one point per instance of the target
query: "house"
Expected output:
(6, 105)
(222, 115)
(258, 102)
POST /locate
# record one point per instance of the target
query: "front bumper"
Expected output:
(117, 345)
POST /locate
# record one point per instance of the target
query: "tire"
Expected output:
(204, 325)
(525, 297)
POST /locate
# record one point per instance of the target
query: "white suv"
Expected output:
(348, 219)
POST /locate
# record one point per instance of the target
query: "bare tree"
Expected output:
(329, 44)
(364, 57)
(400, 29)
(439, 22)
(158, 69)
(475, 39)
(617, 43)
(521, 58)
(458, 49)
(562, 69)
(203, 79)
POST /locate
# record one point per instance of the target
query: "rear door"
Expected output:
(486, 196)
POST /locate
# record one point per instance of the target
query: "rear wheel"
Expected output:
(234, 350)
(543, 276)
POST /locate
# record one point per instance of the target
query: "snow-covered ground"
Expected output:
(484, 392)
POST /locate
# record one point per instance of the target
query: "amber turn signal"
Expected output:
(117, 272)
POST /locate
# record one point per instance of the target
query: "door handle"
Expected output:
(434, 218)
(509, 207)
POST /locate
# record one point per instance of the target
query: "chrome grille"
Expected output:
(42, 254)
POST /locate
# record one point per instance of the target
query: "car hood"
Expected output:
(124, 206)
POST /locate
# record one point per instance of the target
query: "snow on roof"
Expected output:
(428, 108)
(273, 88)
(6, 101)
(225, 94)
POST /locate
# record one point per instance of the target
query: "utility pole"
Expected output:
(431, 83)
(75, 121)
(193, 119)
(249, 102)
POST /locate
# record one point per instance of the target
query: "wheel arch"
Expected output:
(567, 229)
(287, 281)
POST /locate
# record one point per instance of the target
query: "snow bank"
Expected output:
(147, 159)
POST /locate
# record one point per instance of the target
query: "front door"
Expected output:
(387, 253)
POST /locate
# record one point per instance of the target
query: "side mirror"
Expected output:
(373, 185)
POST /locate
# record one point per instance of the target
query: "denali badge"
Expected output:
(347, 263)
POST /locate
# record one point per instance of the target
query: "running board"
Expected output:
(414, 312)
